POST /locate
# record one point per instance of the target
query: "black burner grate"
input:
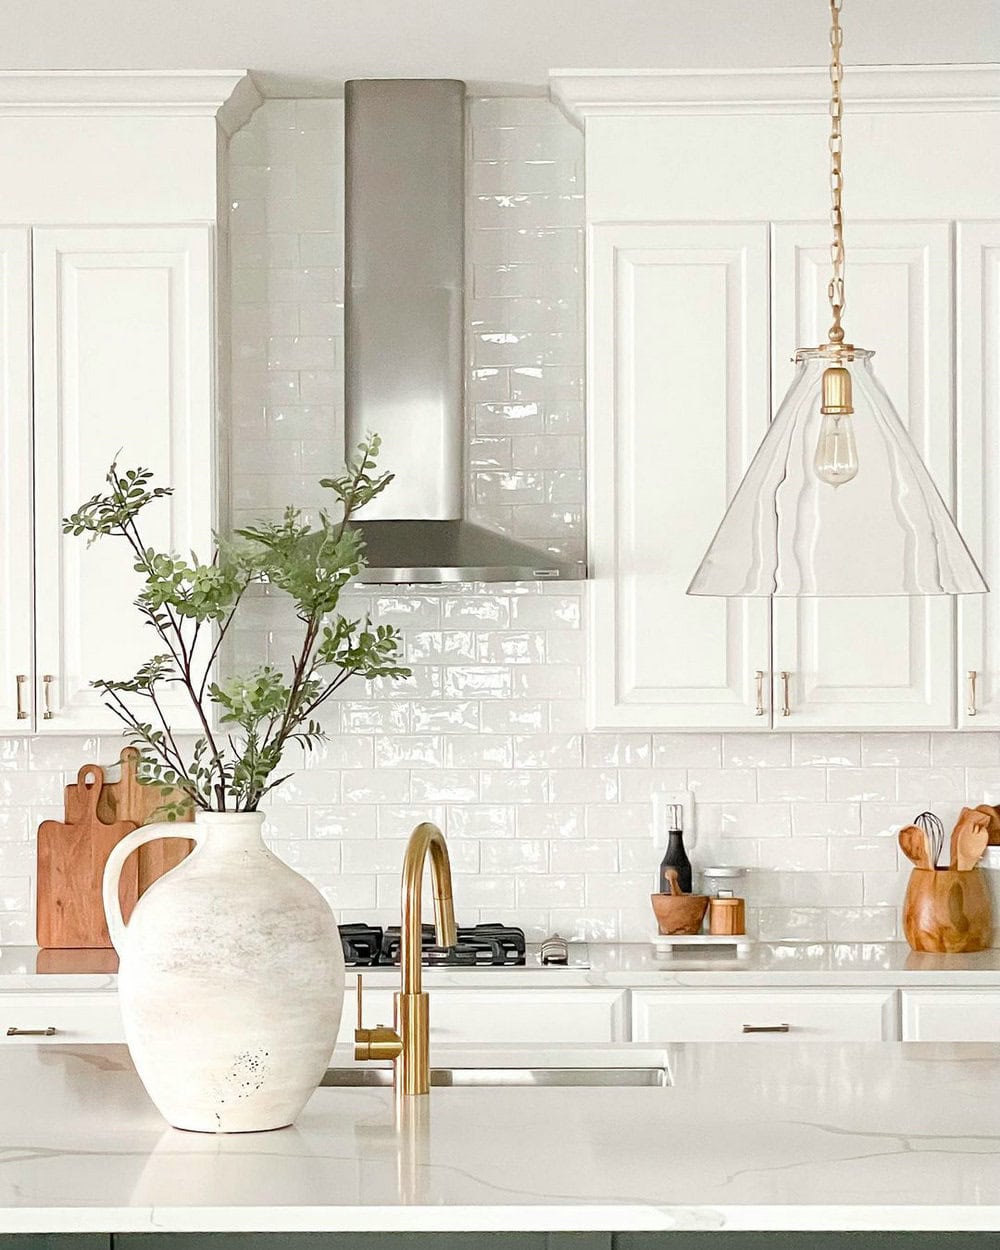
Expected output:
(482, 945)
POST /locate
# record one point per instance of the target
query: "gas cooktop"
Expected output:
(481, 946)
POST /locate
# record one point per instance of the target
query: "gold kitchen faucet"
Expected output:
(408, 1044)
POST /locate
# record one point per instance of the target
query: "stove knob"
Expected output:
(555, 950)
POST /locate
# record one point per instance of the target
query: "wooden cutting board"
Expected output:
(71, 859)
(126, 799)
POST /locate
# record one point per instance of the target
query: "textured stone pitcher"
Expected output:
(231, 978)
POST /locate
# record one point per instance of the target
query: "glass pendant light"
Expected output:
(837, 501)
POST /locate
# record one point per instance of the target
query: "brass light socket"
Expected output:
(838, 400)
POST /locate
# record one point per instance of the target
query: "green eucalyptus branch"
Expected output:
(262, 712)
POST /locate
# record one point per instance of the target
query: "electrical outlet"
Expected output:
(662, 802)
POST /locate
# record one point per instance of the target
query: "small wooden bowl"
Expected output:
(679, 913)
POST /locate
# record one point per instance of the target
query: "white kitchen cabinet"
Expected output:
(16, 642)
(123, 367)
(117, 360)
(685, 175)
(678, 403)
(947, 1015)
(482, 1016)
(978, 305)
(872, 662)
(76, 1016)
(730, 1015)
(108, 274)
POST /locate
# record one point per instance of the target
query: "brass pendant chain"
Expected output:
(835, 290)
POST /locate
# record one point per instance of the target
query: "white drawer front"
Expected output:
(951, 1016)
(76, 1016)
(483, 1016)
(726, 1015)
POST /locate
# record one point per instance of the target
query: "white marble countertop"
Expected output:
(629, 965)
(883, 1136)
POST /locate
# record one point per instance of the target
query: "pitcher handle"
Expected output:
(113, 869)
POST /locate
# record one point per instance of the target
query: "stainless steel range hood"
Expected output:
(405, 334)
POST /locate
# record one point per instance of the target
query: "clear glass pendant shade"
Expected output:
(837, 504)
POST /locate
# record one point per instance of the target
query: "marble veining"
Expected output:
(85, 1150)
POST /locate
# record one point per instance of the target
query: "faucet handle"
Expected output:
(378, 1043)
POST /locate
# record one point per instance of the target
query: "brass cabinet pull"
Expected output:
(767, 1028)
(20, 679)
(49, 1032)
(785, 706)
(47, 681)
(972, 691)
(759, 679)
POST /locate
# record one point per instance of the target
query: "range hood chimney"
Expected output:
(405, 335)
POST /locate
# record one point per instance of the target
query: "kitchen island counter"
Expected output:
(885, 1136)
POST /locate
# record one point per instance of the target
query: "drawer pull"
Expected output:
(49, 1032)
(767, 1028)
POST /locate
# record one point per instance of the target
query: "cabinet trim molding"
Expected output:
(232, 94)
(583, 94)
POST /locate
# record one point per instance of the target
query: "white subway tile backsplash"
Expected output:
(868, 785)
(772, 750)
(792, 785)
(687, 750)
(445, 785)
(548, 750)
(816, 750)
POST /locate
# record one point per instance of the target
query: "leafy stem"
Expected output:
(247, 720)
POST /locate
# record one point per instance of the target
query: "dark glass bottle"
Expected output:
(675, 857)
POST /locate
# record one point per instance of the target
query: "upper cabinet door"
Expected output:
(16, 673)
(123, 370)
(678, 401)
(872, 663)
(978, 304)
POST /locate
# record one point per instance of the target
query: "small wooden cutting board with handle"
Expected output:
(71, 859)
(128, 800)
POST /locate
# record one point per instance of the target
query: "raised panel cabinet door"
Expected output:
(978, 327)
(16, 625)
(480, 1016)
(678, 401)
(733, 1015)
(872, 663)
(951, 1015)
(123, 357)
(74, 1016)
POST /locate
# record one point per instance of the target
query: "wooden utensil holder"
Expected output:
(946, 912)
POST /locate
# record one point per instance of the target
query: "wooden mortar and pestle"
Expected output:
(678, 913)
(946, 911)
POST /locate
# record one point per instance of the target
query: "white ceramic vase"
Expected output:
(230, 980)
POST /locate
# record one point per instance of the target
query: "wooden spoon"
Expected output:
(969, 839)
(913, 842)
(992, 814)
(965, 835)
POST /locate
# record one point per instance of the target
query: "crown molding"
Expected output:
(584, 93)
(229, 95)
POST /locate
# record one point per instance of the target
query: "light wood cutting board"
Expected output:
(71, 859)
(126, 799)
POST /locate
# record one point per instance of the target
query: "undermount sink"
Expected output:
(365, 1077)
